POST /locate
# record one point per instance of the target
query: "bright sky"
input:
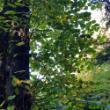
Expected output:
(97, 15)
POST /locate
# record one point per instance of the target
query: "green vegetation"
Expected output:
(72, 93)
(60, 33)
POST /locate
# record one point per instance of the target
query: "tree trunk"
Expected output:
(16, 54)
(3, 53)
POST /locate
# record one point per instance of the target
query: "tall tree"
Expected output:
(16, 59)
(62, 30)
(3, 55)
(63, 36)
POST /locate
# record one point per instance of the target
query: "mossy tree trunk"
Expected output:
(15, 54)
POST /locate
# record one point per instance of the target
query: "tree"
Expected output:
(61, 42)
(15, 53)
(63, 36)
(62, 32)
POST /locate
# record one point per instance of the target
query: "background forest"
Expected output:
(70, 68)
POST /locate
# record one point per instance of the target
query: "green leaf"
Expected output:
(10, 12)
(11, 97)
(102, 39)
(10, 108)
(17, 91)
(20, 43)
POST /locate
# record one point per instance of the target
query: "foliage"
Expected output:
(73, 94)
(63, 34)
(1, 5)
(61, 43)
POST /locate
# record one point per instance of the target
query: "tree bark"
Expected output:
(15, 60)
(3, 53)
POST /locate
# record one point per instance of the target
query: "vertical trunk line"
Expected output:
(3, 75)
(18, 55)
